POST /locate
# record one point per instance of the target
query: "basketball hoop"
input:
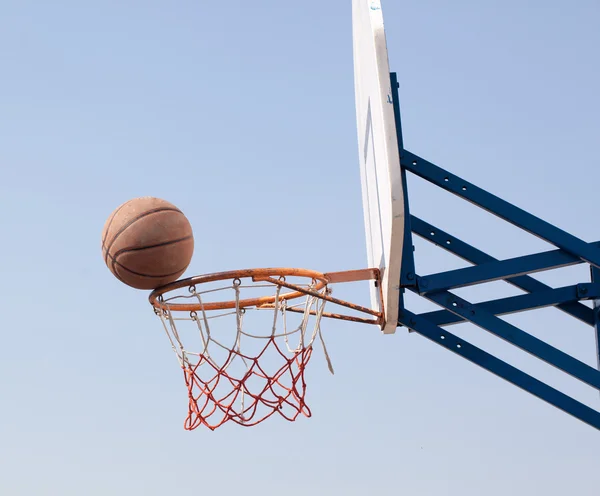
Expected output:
(244, 338)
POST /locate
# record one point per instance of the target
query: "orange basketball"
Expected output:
(147, 242)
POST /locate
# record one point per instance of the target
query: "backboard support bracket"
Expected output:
(437, 288)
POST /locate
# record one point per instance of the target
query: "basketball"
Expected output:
(147, 242)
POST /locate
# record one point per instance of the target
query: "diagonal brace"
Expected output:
(501, 208)
(471, 254)
(517, 337)
(500, 368)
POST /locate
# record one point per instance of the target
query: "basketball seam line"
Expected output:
(108, 224)
(132, 221)
(143, 275)
(127, 250)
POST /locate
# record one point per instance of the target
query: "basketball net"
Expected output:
(232, 370)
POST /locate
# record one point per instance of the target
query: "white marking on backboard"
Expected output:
(373, 203)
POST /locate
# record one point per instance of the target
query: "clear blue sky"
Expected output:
(242, 113)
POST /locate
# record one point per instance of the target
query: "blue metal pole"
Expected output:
(407, 274)
(595, 273)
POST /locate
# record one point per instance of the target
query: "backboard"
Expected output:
(382, 190)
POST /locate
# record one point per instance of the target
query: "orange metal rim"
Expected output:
(156, 297)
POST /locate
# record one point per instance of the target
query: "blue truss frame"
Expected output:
(453, 309)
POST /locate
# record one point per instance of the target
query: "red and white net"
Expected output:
(244, 364)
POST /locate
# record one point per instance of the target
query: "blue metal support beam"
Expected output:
(595, 275)
(467, 252)
(517, 337)
(495, 271)
(407, 275)
(500, 368)
(521, 303)
(501, 208)
(434, 287)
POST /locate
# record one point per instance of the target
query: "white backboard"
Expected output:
(382, 191)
